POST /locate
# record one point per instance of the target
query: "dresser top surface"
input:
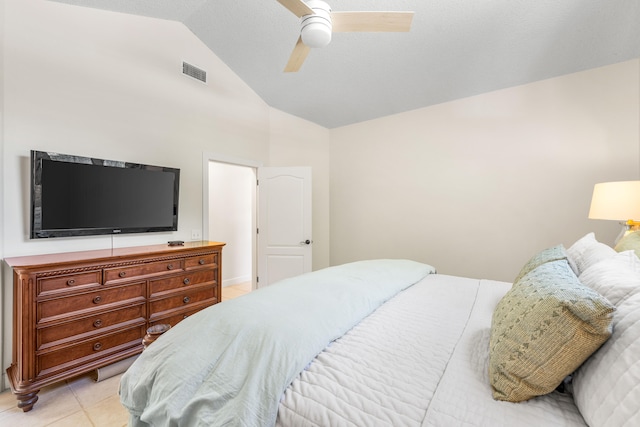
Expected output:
(108, 254)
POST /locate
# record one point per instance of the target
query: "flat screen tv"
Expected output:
(83, 196)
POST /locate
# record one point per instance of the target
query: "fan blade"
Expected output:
(299, 54)
(297, 7)
(371, 21)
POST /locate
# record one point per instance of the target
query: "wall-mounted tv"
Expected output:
(82, 196)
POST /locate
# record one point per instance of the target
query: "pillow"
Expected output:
(544, 327)
(586, 252)
(629, 242)
(615, 278)
(550, 254)
(606, 388)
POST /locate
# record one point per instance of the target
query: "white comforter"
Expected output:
(228, 365)
(419, 360)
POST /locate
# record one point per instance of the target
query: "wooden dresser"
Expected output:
(75, 312)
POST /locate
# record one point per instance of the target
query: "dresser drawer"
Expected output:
(183, 281)
(60, 333)
(183, 299)
(49, 362)
(137, 271)
(59, 308)
(69, 282)
(201, 261)
(172, 317)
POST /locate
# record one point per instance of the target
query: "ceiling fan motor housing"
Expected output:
(315, 29)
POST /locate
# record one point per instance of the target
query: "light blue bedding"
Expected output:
(230, 364)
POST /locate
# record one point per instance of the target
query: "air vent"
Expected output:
(193, 71)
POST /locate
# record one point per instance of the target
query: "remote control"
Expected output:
(176, 243)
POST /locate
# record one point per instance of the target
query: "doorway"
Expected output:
(230, 207)
(229, 215)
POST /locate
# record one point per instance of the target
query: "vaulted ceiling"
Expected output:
(455, 49)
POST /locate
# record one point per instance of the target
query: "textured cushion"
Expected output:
(586, 252)
(606, 388)
(630, 242)
(616, 278)
(542, 330)
(550, 254)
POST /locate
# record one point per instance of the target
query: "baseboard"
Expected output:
(236, 280)
(113, 369)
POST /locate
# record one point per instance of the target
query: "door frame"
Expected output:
(208, 157)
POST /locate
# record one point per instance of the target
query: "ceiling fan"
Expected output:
(317, 22)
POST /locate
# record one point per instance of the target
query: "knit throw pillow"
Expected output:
(542, 330)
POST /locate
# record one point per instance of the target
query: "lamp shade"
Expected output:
(618, 200)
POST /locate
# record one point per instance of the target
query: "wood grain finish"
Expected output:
(75, 312)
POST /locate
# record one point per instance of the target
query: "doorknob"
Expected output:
(306, 242)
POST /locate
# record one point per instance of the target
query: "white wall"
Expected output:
(109, 85)
(476, 186)
(4, 302)
(231, 208)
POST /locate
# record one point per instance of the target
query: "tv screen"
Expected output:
(82, 196)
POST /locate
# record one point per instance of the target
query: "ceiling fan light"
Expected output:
(316, 29)
(316, 34)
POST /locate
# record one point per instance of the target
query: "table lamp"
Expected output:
(619, 201)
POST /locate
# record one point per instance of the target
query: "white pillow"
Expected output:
(586, 252)
(615, 278)
(606, 388)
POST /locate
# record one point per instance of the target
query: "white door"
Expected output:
(284, 223)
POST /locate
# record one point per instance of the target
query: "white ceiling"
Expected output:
(455, 49)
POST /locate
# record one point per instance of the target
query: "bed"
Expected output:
(393, 343)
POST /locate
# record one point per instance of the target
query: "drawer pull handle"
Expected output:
(122, 273)
(186, 281)
(97, 323)
(170, 267)
(201, 262)
(186, 300)
(97, 300)
(71, 282)
(97, 346)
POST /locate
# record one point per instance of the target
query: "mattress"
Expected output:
(419, 360)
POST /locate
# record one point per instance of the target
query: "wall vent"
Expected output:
(193, 71)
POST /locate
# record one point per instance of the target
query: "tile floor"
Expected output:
(229, 292)
(80, 402)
